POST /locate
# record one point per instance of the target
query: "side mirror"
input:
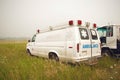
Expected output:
(29, 41)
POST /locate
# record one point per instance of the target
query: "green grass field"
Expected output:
(16, 64)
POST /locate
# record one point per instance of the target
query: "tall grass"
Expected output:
(16, 64)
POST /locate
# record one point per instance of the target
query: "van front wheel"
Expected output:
(53, 56)
(28, 51)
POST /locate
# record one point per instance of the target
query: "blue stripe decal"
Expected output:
(89, 46)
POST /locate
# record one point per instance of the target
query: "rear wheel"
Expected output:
(106, 53)
(53, 56)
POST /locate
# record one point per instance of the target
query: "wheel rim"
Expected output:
(54, 57)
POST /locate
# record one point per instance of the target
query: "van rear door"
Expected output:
(90, 44)
(95, 42)
(85, 44)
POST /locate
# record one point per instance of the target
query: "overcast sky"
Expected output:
(21, 18)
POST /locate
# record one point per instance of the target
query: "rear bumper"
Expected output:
(89, 60)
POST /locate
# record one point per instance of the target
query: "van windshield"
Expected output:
(33, 38)
(83, 33)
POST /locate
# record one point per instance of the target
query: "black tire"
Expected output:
(106, 53)
(53, 56)
(28, 51)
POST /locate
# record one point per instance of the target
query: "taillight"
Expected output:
(38, 31)
(78, 47)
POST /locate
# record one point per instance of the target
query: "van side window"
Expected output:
(33, 38)
(93, 34)
(84, 33)
(110, 32)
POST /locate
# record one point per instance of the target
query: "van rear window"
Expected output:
(93, 34)
(84, 33)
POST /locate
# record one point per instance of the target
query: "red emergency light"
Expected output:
(94, 25)
(79, 22)
(71, 22)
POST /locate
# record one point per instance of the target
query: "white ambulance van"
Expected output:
(70, 43)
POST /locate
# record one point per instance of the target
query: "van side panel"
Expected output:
(53, 41)
(70, 43)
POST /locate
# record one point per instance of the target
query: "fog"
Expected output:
(21, 18)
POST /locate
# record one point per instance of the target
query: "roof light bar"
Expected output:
(71, 22)
(94, 25)
(79, 22)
